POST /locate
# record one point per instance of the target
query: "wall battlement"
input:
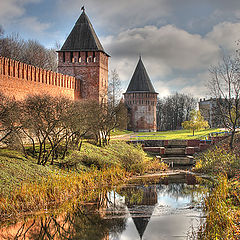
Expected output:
(19, 79)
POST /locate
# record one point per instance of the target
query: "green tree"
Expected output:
(196, 122)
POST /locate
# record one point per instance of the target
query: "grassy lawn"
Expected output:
(177, 134)
(120, 132)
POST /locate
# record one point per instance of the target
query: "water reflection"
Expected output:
(145, 209)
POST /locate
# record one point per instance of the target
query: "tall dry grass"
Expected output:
(58, 189)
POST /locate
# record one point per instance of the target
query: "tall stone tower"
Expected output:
(83, 57)
(141, 100)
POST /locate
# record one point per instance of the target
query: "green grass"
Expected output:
(16, 169)
(120, 132)
(176, 134)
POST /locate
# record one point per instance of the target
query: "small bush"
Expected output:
(132, 158)
(154, 165)
(216, 161)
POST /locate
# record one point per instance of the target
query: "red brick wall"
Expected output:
(142, 111)
(91, 68)
(19, 80)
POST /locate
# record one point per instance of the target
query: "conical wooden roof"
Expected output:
(141, 223)
(82, 37)
(140, 81)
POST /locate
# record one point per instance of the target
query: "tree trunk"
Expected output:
(80, 145)
(40, 153)
(232, 139)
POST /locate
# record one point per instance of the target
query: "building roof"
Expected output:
(140, 81)
(82, 37)
(141, 223)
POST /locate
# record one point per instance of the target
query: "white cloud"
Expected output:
(166, 47)
(12, 9)
(161, 88)
(175, 59)
(225, 35)
(32, 24)
(119, 15)
(169, 54)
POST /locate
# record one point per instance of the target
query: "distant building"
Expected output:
(141, 100)
(210, 112)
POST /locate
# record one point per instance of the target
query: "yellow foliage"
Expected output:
(196, 122)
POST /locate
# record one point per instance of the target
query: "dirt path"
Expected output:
(123, 137)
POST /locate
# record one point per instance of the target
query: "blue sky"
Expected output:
(178, 39)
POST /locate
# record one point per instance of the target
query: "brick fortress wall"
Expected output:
(19, 80)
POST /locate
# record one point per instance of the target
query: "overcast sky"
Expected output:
(178, 39)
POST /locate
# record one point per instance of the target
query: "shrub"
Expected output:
(218, 160)
(131, 158)
(222, 220)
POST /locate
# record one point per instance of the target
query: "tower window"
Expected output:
(94, 57)
(86, 57)
(80, 59)
(71, 57)
(63, 56)
(89, 59)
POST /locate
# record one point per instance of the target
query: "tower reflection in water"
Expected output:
(108, 216)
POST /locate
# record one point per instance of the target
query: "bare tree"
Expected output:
(77, 124)
(114, 88)
(29, 52)
(12, 47)
(8, 108)
(103, 118)
(42, 121)
(173, 110)
(10, 126)
(224, 85)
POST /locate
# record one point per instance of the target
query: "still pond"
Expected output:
(156, 208)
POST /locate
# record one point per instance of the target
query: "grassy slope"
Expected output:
(15, 169)
(26, 186)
